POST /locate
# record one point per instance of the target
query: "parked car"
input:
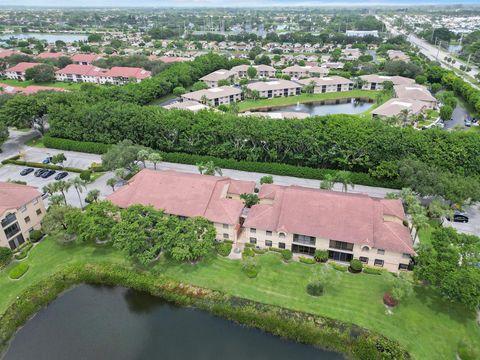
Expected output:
(26, 171)
(47, 160)
(468, 122)
(61, 175)
(459, 217)
(39, 172)
(48, 173)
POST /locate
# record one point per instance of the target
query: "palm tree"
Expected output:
(328, 182)
(92, 196)
(419, 220)
(155, 158)
(112, 182)
(345, 178)
(405, 117)
(78, 184)
(204, 100)
(63, 187)
(142, 156)
(209, 168)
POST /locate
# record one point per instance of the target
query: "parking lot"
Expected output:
(473, 225)
(74, 159)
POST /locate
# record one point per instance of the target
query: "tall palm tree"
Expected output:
(155, 158)
(78, 184)
(209, 168)
(63, 186)
(345, 179)
(112, 182)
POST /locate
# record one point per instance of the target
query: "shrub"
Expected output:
(260, 251)
(467, 352)
(339, 267)
(286, 255)
(274, 249)
(18, 271)
(40, 165)
(373, 271)
(72, 145)
(306, 260)
(250, 268)
(389, 300)
(223, 248)
(248, 252)
(86, 175)
(36, 235)
(5, 256)
(22, 254)
(248, 245)
(321, 255)
(315, 288)
(356, 266)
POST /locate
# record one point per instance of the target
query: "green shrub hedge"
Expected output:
(18, 271)
(40, 165)
(5, 256)
(339, 267)
(36, 235)
(321, 255)
(306, 260)
(315, 288)
(250, 166)
(248, 252)
(260, 251)
(22, 254)
(286, 255)
(356, 266)
(373, 271)
(250, 268)
(223, 248)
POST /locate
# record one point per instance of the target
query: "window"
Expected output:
(225, 226)
(378, 262)
(253, 230)
(281, 245)
(363, 259)
(39, 211)
(381, 252)
(304, 239)
(406, 256)
(341, 245)
(35, 201)
(402, 266)
(281, 235)
(269, 233)
(23, 208)
(268, 243)
(253, 240)
(365, 249)
(12, 230)
(27, 219)
(225, 236)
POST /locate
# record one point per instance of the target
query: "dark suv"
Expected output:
(459, 217)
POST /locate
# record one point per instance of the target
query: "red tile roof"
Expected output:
(22, 67)
(8, 53)
(185, 194)
(28, 90)
(14, 196)
(86, 57)
(354, 218)
(50, 55)
(86, 70)
(170, 59)
(127, 72)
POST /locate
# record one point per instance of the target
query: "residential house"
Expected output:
(213, 78)
(186, 105)
(351, 54)
(328, 84)
(415, 92)
(27, 90)
(78, 73)
(85, 59)
(216, 198)
(275, 88)
(263, 71)
(362, 33)
(395, 107)
(21, 211)
(348, 226)
(17, 72)
(398, 55)
(298, 72)
(7, 53)
(50, 55)
(121, 75)
(215, 96)
(375, 82)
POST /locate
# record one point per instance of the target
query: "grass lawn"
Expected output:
(63, 85)
(35, 142)
(304, 98)
(429, 327)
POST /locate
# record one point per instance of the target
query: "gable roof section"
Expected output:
(14, 196)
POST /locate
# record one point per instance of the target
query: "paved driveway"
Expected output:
(74, 159)
(473, 225)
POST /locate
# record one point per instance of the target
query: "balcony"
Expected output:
(10, 218)
(304, 239)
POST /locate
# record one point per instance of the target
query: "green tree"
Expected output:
(328, 182)
(58, 159)
(112, 182)
(43, 73)
(155, 158)
(122, 155)
(251, 72)
(179, 91)
(92, 196)
(267, 179)
(95, 38)
(208, 168)
(345, 178)
(250, 199)
(78, 184)
(199, 85)
(446, 112)
(143, 156)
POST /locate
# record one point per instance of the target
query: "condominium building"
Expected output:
(275, 88)
(21, 211)
(415, 92)
(398, 55)
(186, 105)
(375, 82)
(298, 72)
(215, 96)
(263, 71)
(17, 72)
(85, 59)
(213, 78)
(351, 54)
(216, 198)
(395, 107)
(328, 84)
(117, 75)
(348, 226)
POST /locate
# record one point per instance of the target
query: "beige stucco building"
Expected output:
(21, 211)
(215, 96)
(328, 84)
(298, 72)
(375, 82)
(263, 71)
(213, 78)
(275, 88)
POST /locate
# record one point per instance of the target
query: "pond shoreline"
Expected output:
(351, 340)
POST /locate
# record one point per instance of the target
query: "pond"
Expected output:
(97, 322)
(50, 38)
(326, 107)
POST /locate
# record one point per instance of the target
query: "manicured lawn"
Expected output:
(35, 142)
(428, 326)
(303, 98)
(63, 85)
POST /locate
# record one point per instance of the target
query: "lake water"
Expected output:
(50, 38)
(93, 322)
(327, 107)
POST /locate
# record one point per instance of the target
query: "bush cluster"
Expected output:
(5, 256)
(321, 255)
(250, 267)
(248, 252)
(356, 266)
(315, 288)
(40, 165)
(286, 255)
(18, 270)
(306, 260)
(223, 248)
(22, 254)
(373, 271)
(36, 235)
(339, 267)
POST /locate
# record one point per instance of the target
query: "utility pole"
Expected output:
(468, 62)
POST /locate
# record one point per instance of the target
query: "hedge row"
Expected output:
(249, 166)
(40, 165)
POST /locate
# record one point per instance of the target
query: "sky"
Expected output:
(223, 3)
